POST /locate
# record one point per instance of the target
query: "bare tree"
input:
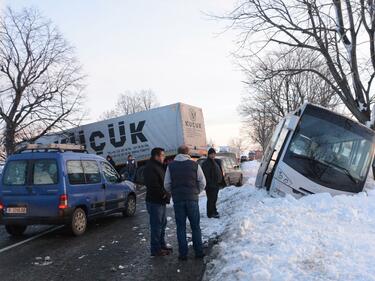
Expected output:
(272, 93)
(129, 103)
(258, 123)
(239, 144)
(342, 33)
(40, 78)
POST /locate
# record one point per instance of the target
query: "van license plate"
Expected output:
(16, 210)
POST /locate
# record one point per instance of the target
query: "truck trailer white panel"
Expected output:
(167, 127)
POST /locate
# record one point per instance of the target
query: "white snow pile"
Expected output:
(318, 237)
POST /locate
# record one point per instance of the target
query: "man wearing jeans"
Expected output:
(185, 180)
(156, 200)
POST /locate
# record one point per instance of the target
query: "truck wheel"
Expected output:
(240, 182)
(131, 206)
(16, 230)
(78, 223)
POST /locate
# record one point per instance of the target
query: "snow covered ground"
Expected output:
(318, 237)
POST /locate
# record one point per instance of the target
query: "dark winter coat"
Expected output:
(154, 174)
(213, 173)
(184, 180)
(131, 168)
(112, 162)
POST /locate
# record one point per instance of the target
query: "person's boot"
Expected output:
(167, 248)
(200, 256)
(161, 253)
(216, 216)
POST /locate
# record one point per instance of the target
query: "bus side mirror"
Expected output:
(292, 123)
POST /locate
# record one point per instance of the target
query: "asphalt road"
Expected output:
(114, 248)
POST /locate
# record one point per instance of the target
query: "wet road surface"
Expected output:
(113, 248)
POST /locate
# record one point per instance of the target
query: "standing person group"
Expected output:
(183, 180)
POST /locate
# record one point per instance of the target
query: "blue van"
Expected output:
(59, 184)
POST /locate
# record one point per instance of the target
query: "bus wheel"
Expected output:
(16, 230)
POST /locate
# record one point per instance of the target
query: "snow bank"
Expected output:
(318, 237)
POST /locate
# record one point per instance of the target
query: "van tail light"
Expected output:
(1, 206)
(63, 201)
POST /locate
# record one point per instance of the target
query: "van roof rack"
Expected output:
(61, 147)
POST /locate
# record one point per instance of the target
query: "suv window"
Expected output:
(45, 172)
(227, 165)
(91, 171)
(75, 172)
(15, 173)
(110, 173)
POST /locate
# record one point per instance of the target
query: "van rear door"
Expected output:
(31, 188)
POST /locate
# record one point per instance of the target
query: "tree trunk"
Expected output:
(10, 133)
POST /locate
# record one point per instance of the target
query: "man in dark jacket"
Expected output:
(131, 168)
(185, 180)
(110, 160)
(156, 200)
(214, 178)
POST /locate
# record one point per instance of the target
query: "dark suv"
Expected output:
(231, 169)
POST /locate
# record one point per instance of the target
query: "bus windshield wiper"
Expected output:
(345, 170)
(312, 162)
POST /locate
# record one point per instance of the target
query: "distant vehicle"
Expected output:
(315, 150)
(232, 172)
(59, 184)
(244, 158)
(251, 155)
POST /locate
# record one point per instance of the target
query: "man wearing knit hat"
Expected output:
(214, 178)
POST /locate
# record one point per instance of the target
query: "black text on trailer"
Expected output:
(97, 139)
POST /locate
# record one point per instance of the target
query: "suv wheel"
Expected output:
(131, 206)
(16, 230)
(240, 182)
(227, 182)
(78, 223)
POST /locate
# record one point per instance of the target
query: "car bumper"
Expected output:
(63, 218)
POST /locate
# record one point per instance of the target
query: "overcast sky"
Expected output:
(168, 46)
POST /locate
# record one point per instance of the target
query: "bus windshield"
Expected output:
(331, 150)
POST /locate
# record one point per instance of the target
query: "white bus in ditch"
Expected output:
(315, 150)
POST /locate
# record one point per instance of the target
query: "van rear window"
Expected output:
(15, 173)
(45, 172)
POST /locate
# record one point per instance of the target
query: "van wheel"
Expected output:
(78, 223)
(131, 206)
(240, 182)
(16, 230)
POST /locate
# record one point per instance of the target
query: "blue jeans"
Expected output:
(158, 223)
(190, 210)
